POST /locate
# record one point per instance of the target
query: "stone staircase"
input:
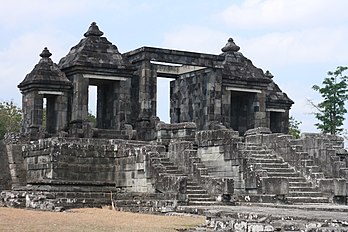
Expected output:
(300, 189)
(196, 195)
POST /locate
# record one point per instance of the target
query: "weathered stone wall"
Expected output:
(325, 151)
(218, 150)
(5, 177)
(196, 97)
(88, 161)
(17, 165)
(166, 133)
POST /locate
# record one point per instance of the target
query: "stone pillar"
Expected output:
(214, 97)
(32, 107)
(147, 90)
(261, 119)
(62, 103)
(79, 110)
(226, 107)
(147, 105)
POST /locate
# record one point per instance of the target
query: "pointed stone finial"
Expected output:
(230, 46)
(268, 74)
(45, 53)
(93, 30)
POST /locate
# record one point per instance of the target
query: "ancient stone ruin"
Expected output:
(227, 141)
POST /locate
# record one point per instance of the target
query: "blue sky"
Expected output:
(297, 40)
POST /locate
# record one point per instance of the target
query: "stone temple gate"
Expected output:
(224, 89)
(227, 138)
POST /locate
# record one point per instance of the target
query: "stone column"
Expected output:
(79, 110)
(147, 90)
(214, 97)
(147, 103)
(61, 110)
(261, 119)
(32, 107)
(226, 107)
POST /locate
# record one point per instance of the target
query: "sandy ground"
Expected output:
(91, 219)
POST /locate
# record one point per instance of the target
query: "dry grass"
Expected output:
(91, 219)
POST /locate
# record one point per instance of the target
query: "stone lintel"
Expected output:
(104, 77)
(51, 92)
(175, 56)
(243, 90)
(276, 110)
(174, 69)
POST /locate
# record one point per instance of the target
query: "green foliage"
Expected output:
(331, 110)
(294, 129)
(10, 118)
(92, 119)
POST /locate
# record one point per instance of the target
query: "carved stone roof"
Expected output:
(94, 52)
(45, 75)
(239, 68)
(276, 98)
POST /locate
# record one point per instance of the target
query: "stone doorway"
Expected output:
(242, 111)
(275, 122)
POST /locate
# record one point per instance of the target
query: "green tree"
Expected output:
(10, 118)
(92, 119)
(331, 110)
(294, 129)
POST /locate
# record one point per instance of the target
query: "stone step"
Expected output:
(297, 179)
(193, 188)
(272, 169)
(299, 184)
(275, 165)
(283, 174)
(196, 191)
(264, 156)
(201, 199)
(249, 147)
(305, 194)
(303, 200)
(205, 203)
(257, 152)
(198, 196)
(302, 188)
(171, 167)
(164, 160)
(177, 172)
(262, 161)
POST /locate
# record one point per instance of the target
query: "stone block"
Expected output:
(275, 185)
(335, 187)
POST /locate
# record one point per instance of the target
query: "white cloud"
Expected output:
(20, 12)
(312, 46)
(20, 57)
(196, 38)
(267, 14)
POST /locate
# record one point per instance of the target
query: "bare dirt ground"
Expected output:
(91, 219)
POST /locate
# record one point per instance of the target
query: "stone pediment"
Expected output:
(45, 75)
(95, 51)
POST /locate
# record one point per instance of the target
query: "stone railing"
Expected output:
(167, 133)
(186, 158)
(161, 182)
